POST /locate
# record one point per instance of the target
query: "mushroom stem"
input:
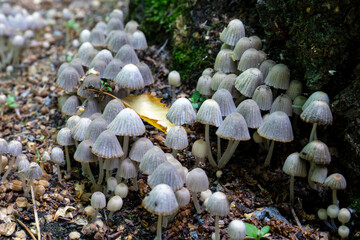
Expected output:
(135, 183)
(207, 140)
(101, 170)
(84, 170)
(269, 155)
(217, 230)
(0, 163)
(311, 183)
(95, 215)
(111, 215)
(198, 160)
(292, 180)
(333, 223)
(58, 172)
(173, 94)
(24, 186)
(174, 153)
(125, 146)
(329, 225)
(76, 143)
(11, 163)
(91, 176)
(158, 230)
(334, 197)
(35, 211)
(68, 163)
(218, 148)
(313, 135)
(196, 202)
(232, 145)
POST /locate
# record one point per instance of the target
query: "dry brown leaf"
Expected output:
(61, 212)
(7, 229)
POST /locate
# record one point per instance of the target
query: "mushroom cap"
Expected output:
(199, 149)
(299, 101)
(64, 138)
(174, 78)
(317, 112)
(251, 112)
(130, 77)
(181, 112)
(117, 40)
(57, 155)
(127, 169)
(241, 46)
(84, 49)
(170, 158)
(114, 204)
(263, 97)
(225, 100)
(197, 180)
(237, 230)
(294, 166)
(127, 123)
(95, 128)
(22, 162)
(97, 37)
(138, 40)
(229, 84)
(216, 79)
(262, 56)
(78, 132)
(33, 171)
(208, 72)
(99, 66)
(234, 127)
(278, 77)
(319, 174)
(15, 148)
(139, 148)
(127, 55)
(72, 121)
(117, 13)
(151, 160)
(295, 89)
(114, 24)
(76, 63)
(319, 95)
(104, 55)
(265, 67)
(98, 200)
(317, 152)
(235, 31)
(182, 196)
(145, 73)
(277, 127)
(209, 113)
(248, 81)
(336, 181)
(91, 80)
(89, 57)
(224, 61)
(204, 85)
(282, 103)
(256, 42)
(161, 201)
(83, 152)
(84, 35)
(91, 107)
(218, 204)
(112, 109)
(107, 146)
(166, 173)
(121, 190)
(131, 26)
(176, 138)
(70, 106)
(68, 79)
(249, 59)
(3, 146)
(112, 69)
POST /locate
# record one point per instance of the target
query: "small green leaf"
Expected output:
(195, 105)
(196, 96)
(202, 99)
(13, 105)
(10, 99)
(251, 230)
(101, 82)
(191, 100)
(264, 230)
(109, 89)
(68, 58)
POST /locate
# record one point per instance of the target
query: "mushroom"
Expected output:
(127, 55)
(117, 40)
(114, 204)
(333, 211)
(235, 31)
(78, 131)
(241, 46)
(151, 160)
(197, 181)
(57, 157)
(145, 73)
(84, 49)
(295, 89)
(121, 190)
(209, 114)
(22, 163)
(127, 170)
(112, 69)
(89, 57)
(98, 201)
(131, 26)
(91, 106)
(139, 148)
(64, 139)
(276, 127)
(249, 59)
(224, 61)
(225, 100)
(112, 109)
(181, 112)
(130, 78)
(138, 40)
(183, 198)
(204, 85)
(84, 155)
(251, 113)
(278, 77)
(335, 181)
(282, 103)
(256, 42)
(176, 139)
(208, 72)
(33, 171)
(166, 173)
(97, 37)
(217, 79)
(229, 84)
(68, 79)
(3, 150)
(98, 65)
(199, 150)
(248, 81)
(162, 202)
(91, 80)
(95, 128)
(84, 35)
(114, 24)
(72, 121)
(109, 165)
(319, 95)
(218, 205)
(237, 230)
(322, 214)
(343, 231)
(15, 148)
(344, 216)
(263, 97)
(295, 167)
(265, 67)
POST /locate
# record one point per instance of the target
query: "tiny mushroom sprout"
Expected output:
(111, 184)
(176, 139)
(114, 204)
(237, 230)
(197, 181)
(57, 157)
(209, 114)
(234, 129)
(181, 112)
(295, 167)
(336, 182)
(344, 216)
(343, 231)
(64, 139)
(276, 127)
(333, 212)
(199, 150)
(84, 155)
(318, 113)
(282, 103)
(15, 149)
(162, 202)
(166, 173)
(98, 201)
(218, 205)
(174, 80)
(204, 85)
(33, 171)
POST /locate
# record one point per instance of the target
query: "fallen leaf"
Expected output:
(61, 212)
(7, 229)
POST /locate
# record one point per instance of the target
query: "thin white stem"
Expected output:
(334, 197)
(174, 153)
(218, 148)
(35, 212)
(91, 176)
(68, 163)
(196, 202)
(217, 229)
(101, 170)
(11, 163)
(58, 173)
(292, 178)
(313, 135)
(231, 148)
(207, 140)
(269, 155)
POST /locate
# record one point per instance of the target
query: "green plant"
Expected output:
(10, 102)
(253, 232)
(196, 100)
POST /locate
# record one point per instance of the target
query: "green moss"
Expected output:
(355, 204)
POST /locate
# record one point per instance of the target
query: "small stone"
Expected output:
(74, 235)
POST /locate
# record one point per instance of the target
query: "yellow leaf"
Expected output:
(150, 109)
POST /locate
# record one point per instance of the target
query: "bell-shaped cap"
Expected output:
(98, 200)
(64, 137)
(68, 79)
(209, 113)
(114, 24)
(89, 57)
(204, 85)
(15, 148)
(57, 155)
(199, 148)
(236, 230)
(229, 84)
(83, 152)
(166, 173)
(225, 100)
(145, 73)
(319, 95)
(298, 103)
(316, 152)
(181, 112)
(319, 174)
(104, 55)
(33, 171)
(265, 67)
(295, 89)
(91, 107)
(139, 148)
(130, 77)
(127, 169)
(95, 128)
(251, 112)
(152, 159)
(161, 201)
(317, 112)
(97, 37)
(127, 55)
(278, 77)
(99, 66)
(114, 204)
(107, 146)
(218, 204)
(216, 79)
(127, 123)
(224, 61)
(263, 97)
(176, 138)
(208, 72)
(336, 181)
(3, 146)
(131, 26)
(138, 40)
(112, 109)
(234, 127)
(235, 31)
(72, 121)
(182, 196)
(71, 105)
(255, 42)
(295, 166)
(22, 162)
(90, 81)
(248, 81)
(84, 49)
(78, 132)
(113, 69)
(117, 40)
(282, 103)
(197, 180)
(241, 46)
(249, 59)
(277, 127)
(174, 78)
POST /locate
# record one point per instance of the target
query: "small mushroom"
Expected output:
(181, 112)
(57, 157)
(114, 204)
(84, 155)
(336, 182)
(14, 148)
(197, 181)
(121, 190)
(218, 205)
(98, 201)
(64, 139)
(176, 139)
(151, 160)
(166, 173)
(237, 230)
(174, 80)
(3, 150)
(199, 150)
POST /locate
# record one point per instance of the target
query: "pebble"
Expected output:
(269, 212)
(194, 235)
(74, 235)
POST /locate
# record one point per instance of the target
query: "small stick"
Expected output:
(26, 228)
(296, 218)
(35, 212)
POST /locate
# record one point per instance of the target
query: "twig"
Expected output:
(35, 212)
(296, 219)
(26, 228)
